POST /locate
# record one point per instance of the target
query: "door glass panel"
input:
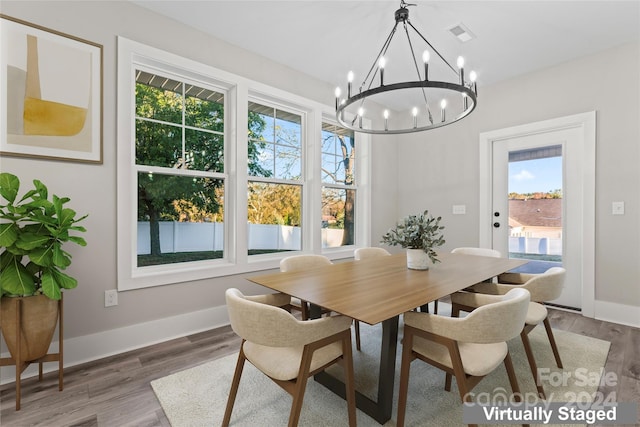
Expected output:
(535, 206)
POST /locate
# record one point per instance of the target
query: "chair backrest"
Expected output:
(258, 323)
(477, 251)
(546, 286)
(499, 321)
(303, 262)
(363, 253)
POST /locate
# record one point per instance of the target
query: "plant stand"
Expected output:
(21, 365)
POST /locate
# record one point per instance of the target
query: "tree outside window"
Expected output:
(339, 186)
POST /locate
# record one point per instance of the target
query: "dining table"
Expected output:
(380, 290)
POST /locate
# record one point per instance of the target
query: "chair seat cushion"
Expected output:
(283, 363)
(477, 359)
(536, 313)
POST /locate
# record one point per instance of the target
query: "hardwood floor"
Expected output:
(115, 391)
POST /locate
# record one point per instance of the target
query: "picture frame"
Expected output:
(50, 94)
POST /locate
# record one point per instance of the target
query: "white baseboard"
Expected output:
(618, 313)
(96, 346)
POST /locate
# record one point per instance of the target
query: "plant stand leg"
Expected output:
(19, 351)
(60, 342)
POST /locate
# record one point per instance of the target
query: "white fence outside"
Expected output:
(209, 236)
(535, 245)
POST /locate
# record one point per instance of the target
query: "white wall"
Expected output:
(440, 169)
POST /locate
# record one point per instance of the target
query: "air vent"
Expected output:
(462, 33)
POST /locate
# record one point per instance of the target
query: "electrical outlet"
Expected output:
(459, 209)
(110, 298)
(617, 208)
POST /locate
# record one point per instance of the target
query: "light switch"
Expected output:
(617, 208)
(459, 209)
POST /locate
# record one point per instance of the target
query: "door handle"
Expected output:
(496, 225)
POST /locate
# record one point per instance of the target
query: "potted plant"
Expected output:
(33, 229)
(419, 234)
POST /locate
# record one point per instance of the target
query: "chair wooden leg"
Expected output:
(304, 310)
(234, 387)
(350, 389)
(356, 326)
(554, 347)
(513, 380)
(407, 349)
(447, 382)
(532, 363)
(301, 386)
(435, 307)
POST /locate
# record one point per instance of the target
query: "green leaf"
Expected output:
(60, 258)
(49, 285)
(42, 256)
(78, 240)
(15, 279)
(8, 234)
(9, 186)
(30, 241)
(64, 280)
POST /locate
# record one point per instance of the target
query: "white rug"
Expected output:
(197, 396)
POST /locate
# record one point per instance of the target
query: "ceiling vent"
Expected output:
(461, 32)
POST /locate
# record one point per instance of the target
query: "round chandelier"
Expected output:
(454, 100)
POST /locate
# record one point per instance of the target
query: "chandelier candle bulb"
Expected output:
(382, 63)
(415, 117)
(360, 114)
(473, 76)
(425, 59)
(443, 106)
(465, 101)
(461, 66)
(386, 119)
(349, 81)
(338, 92)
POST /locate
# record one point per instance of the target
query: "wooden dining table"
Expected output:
(379, 290)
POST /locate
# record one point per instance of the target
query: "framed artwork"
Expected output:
(50, 94)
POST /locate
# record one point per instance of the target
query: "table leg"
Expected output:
(380, 409)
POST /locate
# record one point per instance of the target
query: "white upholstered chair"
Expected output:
(288, 350)
(302, 262)
(360, 254)
(467, 348)
(477, 251)
(542, 287)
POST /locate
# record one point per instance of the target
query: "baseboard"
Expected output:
(96, 346)
(618, 313)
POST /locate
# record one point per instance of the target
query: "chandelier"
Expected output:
(454, 100)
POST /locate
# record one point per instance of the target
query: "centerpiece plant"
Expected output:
(417, 233)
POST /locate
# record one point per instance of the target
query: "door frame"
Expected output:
(586, 122)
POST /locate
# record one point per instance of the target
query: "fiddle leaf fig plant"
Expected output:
(421, 231)
(33, 230)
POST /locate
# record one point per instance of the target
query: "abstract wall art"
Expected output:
(50, 94)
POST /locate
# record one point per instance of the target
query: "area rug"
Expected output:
(197, 396)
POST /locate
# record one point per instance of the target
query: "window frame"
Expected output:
(237, 91)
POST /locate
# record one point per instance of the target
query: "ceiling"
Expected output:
(326, 39)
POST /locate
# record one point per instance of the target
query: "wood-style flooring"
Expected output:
(115, 391)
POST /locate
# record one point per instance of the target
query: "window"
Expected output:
(179, 158)
(274, 200)
(221, 175)
(338, 186)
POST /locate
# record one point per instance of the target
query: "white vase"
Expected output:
(417, 259)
